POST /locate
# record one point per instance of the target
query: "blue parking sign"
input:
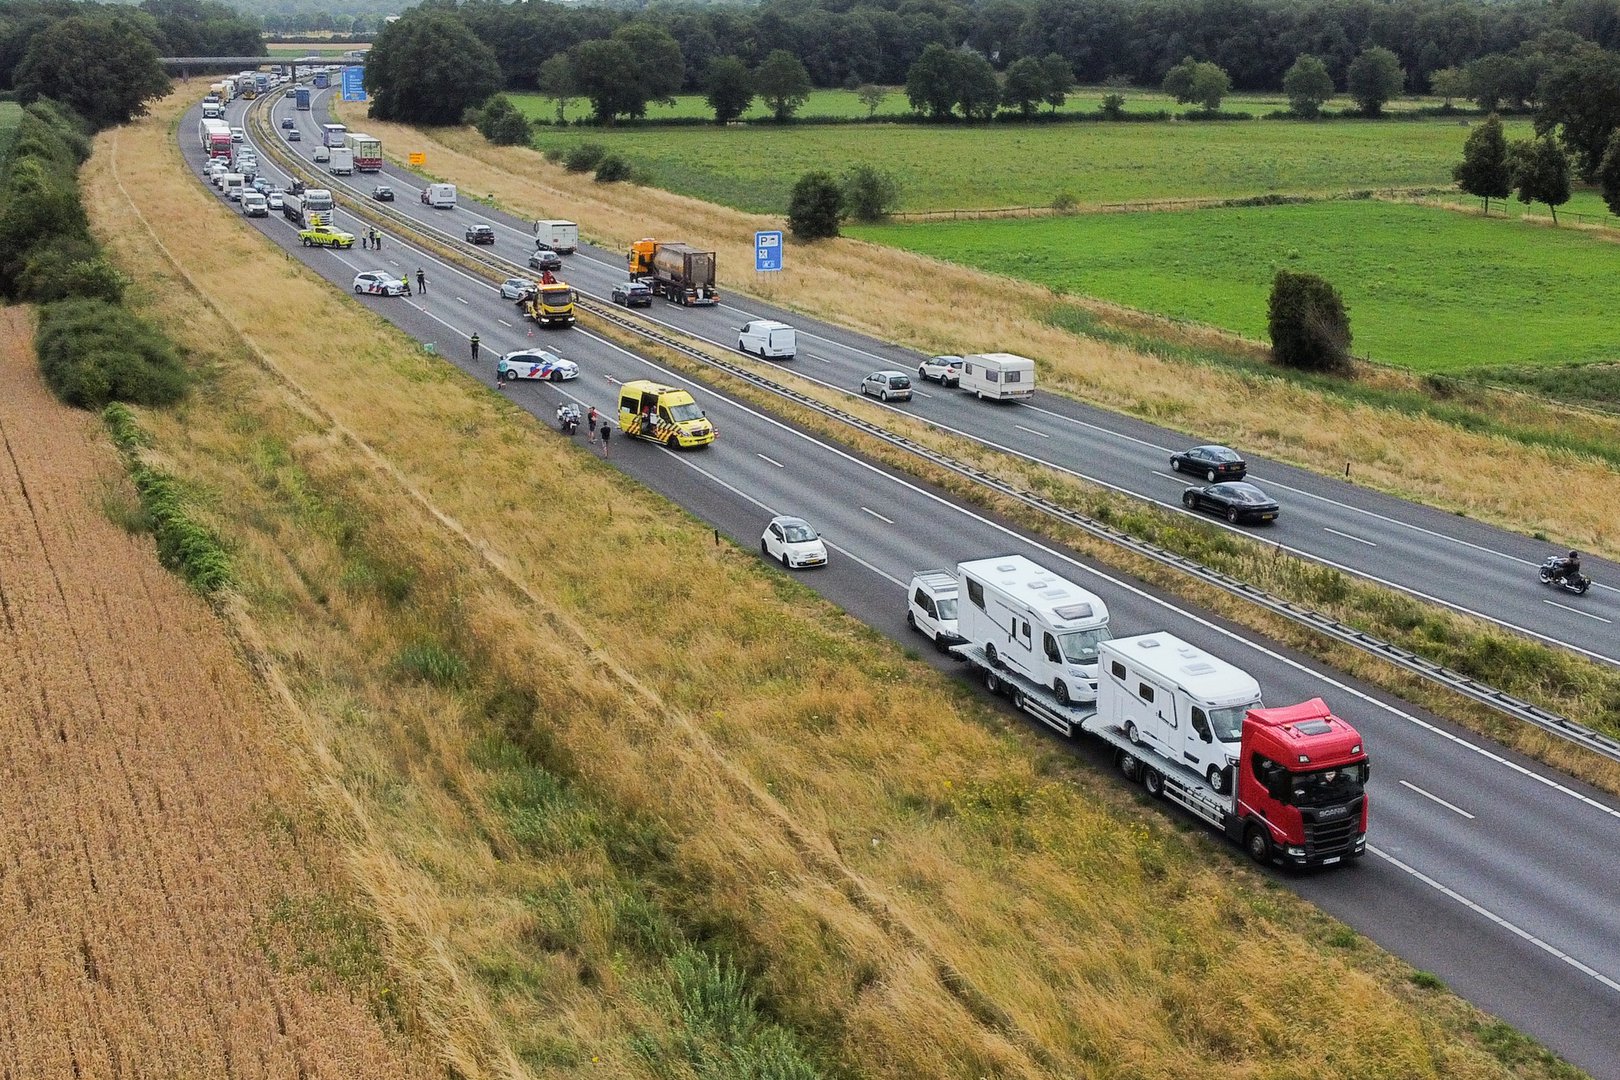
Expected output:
(354, 83)
(768, 250)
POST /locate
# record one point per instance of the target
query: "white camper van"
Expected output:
(1032, 621)
(1177, 700)
(768, 340)
(440, 196)
(998, 375)
(556, 235)
(232, 185)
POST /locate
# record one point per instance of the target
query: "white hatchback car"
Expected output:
(237, 134)
(945, 370)
(380, 283)
(794, 542)
(516, 288)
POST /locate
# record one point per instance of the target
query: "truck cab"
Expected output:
(1302, 783)
(551, 304)
(663, 414)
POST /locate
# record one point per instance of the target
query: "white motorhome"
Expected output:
(998, 375)
(440, 196)
(768, 340)
(1033, 622)
(1177, 700)
(560, 236)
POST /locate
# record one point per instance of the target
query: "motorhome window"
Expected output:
(1014, 376)
(1049, 644)
(1073, 612)
(1080, 646)
(1200, 724)
(1023, 628)
(991, 376)
(1144, 691)
(947, 607)
(976, 593)
(1228, 723)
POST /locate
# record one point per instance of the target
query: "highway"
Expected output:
(1432, 554)
(1485, 868)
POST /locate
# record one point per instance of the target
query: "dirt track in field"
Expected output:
(160, 871)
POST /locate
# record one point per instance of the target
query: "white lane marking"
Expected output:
(1577, 611)
(1032, 431)
(1436, 798)
(459, 300)
(1347, 536)
(877, 515)
(762, 457)
(1170, 476)
(1516, 931)
(1147, 597)
(921, 393)
(504, 323)
(813, 356)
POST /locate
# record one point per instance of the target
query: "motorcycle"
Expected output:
(568, 418)
(1552, 573)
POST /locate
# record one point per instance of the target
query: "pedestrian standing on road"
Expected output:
(421, 281)
(590, 423)
(376, 240)
(473, 341)
(607, 429)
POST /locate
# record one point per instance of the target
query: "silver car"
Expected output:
(888, 385)
(516, 288)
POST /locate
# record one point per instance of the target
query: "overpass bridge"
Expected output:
(227, 64)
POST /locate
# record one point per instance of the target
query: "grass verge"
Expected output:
(761, 836)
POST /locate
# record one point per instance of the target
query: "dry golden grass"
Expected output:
(880, 290)
(915, 890)
(164, 868)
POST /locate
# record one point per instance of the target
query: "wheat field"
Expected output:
(161, 867)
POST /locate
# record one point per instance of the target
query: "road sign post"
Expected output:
(768, 251)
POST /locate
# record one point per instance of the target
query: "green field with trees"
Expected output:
(950, 166)
(1430, 289)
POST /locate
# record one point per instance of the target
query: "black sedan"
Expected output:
(1211, 462)
(1234, 501)
(382, 193)
(545, 260)
(480, 234)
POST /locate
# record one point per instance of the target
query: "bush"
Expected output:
(501, 123)
(66, 269)
(612, 167)
(816, 207)
(1113, 106)
(584, 157)
(870, 194)
(93, 352)
(1310, 329)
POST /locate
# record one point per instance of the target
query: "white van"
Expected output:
(440, 196)
(231, 184)
(1177, 700)
(768, 340)
(1034, 622)
(931, 607)
(557, 235)
(998, 375)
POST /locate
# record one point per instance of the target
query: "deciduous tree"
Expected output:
(1025, 85)
(1309, 86)
(1374, 77)
(873, 98)
(870, 193)
(1310, 328)
(1450, 83)
(428, 68)
(816, 206)
(977, 91)
(1484, 171)
(731, 89)
(556, 81)
(598, 68)
(102, 63)
(1580, 101)
(1608, 174)
(1541, 172)
(931, 82)
(1198, 82)
(1059, 80)
(783, 83)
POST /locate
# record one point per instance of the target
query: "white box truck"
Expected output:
(1000, 376)
(1027, 619)
(342, 163)
(1177, 700)
(557, 235)
(440, 196)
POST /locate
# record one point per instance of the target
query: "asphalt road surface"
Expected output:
(1489, 870)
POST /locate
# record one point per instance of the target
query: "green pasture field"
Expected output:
(1585, 206)
(753, 167)
(1427, 289)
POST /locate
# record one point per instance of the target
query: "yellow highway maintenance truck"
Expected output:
(323, 235)
(551, 304)
(663, 414)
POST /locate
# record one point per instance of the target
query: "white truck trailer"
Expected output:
(557, 235)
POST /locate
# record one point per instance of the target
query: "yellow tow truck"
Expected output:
(552, 303)
(323, 235)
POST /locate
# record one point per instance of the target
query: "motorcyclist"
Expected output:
(1569, 568)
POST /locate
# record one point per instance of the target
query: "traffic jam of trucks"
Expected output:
(1287, 784)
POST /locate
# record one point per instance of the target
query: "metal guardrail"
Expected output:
(1325, 625)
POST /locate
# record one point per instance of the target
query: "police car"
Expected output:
(536, 364)
(378, 283)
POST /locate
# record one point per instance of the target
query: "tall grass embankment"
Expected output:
(740, 838)
(1151, 370)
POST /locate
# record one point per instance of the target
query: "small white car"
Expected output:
(516, 288)
(321, 155)
(887, 386)
(294, 136)
(535, 364)
(237, 134)
(794, 542)
(273, 197)
(945, 370)
(380, 283)
(931, 607)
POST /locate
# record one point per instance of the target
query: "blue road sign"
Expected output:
(354, 84)
(768, 250)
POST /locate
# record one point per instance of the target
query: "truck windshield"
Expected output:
(947, 607)
(680, 414)
(1326, 787)
(1228, 723)
(1080, 646)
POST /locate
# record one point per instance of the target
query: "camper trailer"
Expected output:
(1000, 376)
